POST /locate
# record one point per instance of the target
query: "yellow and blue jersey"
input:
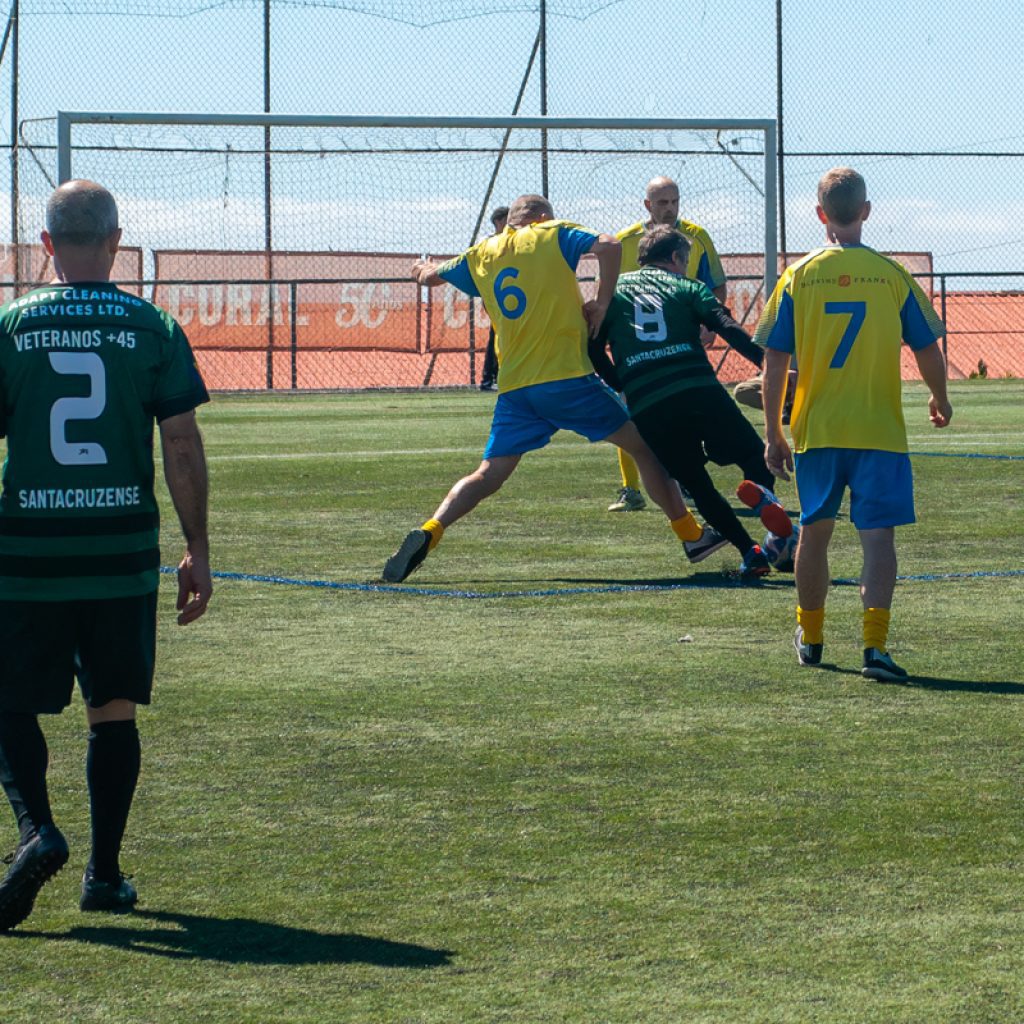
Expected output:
(703, 265)
(842, 312)
(526, 278)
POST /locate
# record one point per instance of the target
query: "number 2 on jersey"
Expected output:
(78, 453)
(856, 312)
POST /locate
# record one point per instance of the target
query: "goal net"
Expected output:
(283, 245)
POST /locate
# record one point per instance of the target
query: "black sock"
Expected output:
(755, 469)
(23, 762)
(716, 511)
(112, 770)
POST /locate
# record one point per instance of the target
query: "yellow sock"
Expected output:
(436, 531)
(876, 628)
(628, 469)
(812, 620)
(686, 527)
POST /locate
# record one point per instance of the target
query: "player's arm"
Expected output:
(608, 251)
(188, 483)
(933, 373)
(597, 350)
(718, 319)
(425, 273)
(776, 331)
(777, 455)
(922, 328)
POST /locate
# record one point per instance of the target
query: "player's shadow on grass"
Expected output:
(241, 940)
(710, 579)
(933, 682)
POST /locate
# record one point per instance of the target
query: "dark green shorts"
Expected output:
(109, 645)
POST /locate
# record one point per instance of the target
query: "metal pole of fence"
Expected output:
(293, 304)
(544, 96)
(268, 227)
(12, 25)
(945, 335)
(778, 123)
(504, 144)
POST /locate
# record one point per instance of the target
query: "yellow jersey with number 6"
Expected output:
(526, 278)
(842, 312)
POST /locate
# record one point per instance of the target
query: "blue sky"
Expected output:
(859, 76)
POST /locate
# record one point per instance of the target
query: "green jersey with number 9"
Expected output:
(85, 370)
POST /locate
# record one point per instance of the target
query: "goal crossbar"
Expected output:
(66, 120)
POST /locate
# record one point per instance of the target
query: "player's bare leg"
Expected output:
(812, 576)
(464, 496)
(468, 492)
(878, 577)
(877, 583)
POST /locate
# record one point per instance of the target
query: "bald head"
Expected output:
(658, 184)
(81, 213)
(529, 209)
(661, 198)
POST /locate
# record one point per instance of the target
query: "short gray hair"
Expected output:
(81, 213)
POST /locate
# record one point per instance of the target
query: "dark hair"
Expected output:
(499, 213)
(660, 243)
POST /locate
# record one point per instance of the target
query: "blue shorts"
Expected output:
(881, 486)
(525, 419)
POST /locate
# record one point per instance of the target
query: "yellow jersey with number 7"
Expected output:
(526, 278)
(842, 312)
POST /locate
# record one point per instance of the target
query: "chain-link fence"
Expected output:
(914, 96)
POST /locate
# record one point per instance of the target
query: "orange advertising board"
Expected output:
(329, 300)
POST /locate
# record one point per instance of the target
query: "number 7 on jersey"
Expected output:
(856, 311)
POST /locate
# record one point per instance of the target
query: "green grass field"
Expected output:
(610, 805)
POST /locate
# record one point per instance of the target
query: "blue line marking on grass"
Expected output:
(605, 588)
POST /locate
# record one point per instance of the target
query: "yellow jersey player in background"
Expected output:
(841, 313)
(661, 200)
(526, 277)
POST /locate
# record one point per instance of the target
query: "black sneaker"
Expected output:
(115, 899)
(879, 665)
(807, 654)
(706, 544)
(33, 864)
(408, 557)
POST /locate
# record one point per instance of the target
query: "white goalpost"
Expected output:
(283, 242)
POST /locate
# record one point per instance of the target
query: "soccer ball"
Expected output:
(781, 551)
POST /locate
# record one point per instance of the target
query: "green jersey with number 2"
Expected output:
(85, 371)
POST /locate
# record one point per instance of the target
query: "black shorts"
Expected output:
(701, 425)
(110, 645)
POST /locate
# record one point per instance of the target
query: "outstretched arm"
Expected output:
(721, 322)
(187, 481)
(425, 273)
(933, 372)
